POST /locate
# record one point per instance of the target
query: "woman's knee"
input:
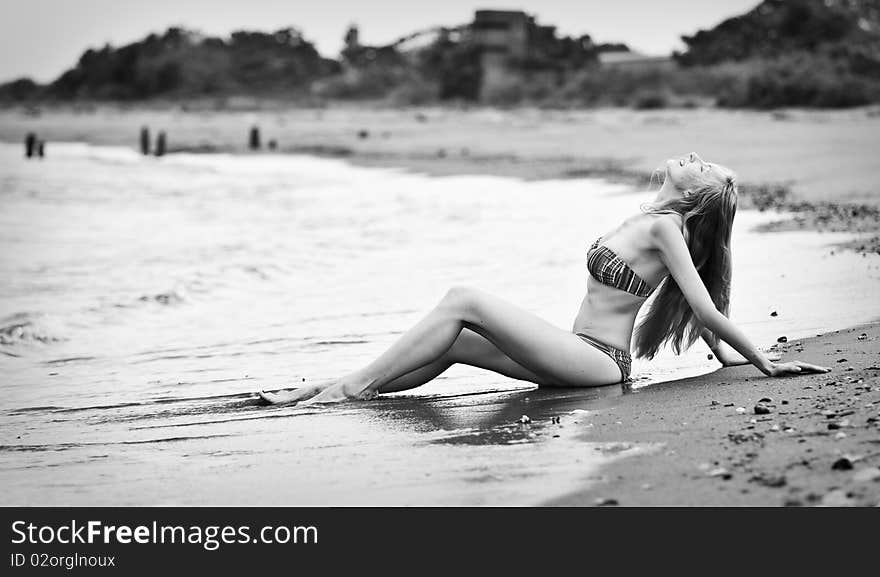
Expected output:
(461, 299)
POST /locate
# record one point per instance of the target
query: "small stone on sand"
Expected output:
(837, 498)
(867, 475)
(842, 464)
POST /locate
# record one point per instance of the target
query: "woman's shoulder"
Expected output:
(665, 223)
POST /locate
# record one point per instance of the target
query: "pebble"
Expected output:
(774, 428)
(771, 481)
(762, 410)
(765, 400)
(525, 420)
(842, 464)
(720, 472)
(740, 410)
(840, 435)
(782, 339)
(867, 475)
(774, 314)
(837, 498)
(863, 336)
(607, 503)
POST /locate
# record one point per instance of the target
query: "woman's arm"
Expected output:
(726, 355)
(668, 239)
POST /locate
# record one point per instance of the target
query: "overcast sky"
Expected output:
(42, 38)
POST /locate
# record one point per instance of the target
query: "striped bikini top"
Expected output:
(608, 268)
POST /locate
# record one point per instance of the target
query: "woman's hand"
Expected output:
(794, 368)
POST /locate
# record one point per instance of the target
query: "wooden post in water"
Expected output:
(160, 143)
(254, 141)
(145, 140)
(41, 148)
(30, 143)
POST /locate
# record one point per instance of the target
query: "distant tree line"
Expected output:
(181, 62)
(793, 53)
(821, 53)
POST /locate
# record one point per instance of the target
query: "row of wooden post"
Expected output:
(254, 141)
(33, 146)
(161, 143)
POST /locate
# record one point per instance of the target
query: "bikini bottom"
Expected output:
(620, 357)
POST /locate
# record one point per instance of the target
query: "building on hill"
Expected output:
(631, 60)
(515, 49)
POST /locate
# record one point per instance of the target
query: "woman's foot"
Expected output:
(286, 397)
(343, 392)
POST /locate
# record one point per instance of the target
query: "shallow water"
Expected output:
(143, 300)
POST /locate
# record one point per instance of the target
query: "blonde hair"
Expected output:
(707, 208)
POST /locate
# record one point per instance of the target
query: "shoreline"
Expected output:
(815, 166)
(817, 445)
(825, 216)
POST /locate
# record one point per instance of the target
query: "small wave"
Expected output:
(27, 328)
(168, 298)
(226, 398)
(67, 446)
(34, 409)
(66, 360)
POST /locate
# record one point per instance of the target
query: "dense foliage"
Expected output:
(816, 53)
(183, 63)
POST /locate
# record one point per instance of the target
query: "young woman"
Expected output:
(678, 246)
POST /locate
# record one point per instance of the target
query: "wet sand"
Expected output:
(818, 445)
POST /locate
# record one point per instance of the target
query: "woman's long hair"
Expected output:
(707, 214)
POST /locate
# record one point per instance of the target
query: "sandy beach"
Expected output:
(183, 381)
(819, 443)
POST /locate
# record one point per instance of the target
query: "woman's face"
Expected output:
(690, 170)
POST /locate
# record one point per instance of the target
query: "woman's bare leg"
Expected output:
(548, 352)
(468, 349)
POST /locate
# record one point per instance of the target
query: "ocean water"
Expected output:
(144, 300)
